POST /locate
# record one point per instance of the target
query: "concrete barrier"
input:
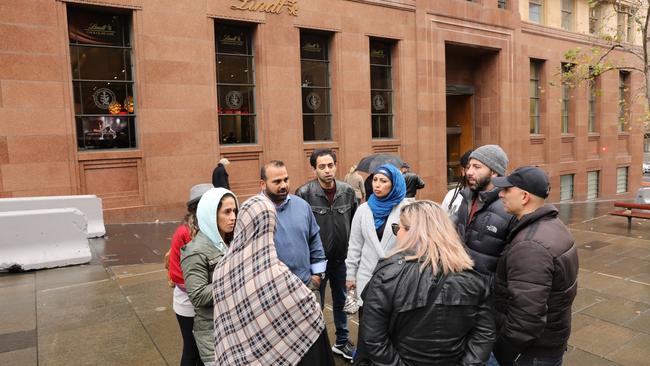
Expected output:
(34, 239)
(90, 205)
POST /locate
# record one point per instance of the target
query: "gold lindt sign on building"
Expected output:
(272, 6)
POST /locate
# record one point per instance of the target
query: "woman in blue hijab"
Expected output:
(216, 216)
(371, 237)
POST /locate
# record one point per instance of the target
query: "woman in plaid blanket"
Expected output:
(263, 313)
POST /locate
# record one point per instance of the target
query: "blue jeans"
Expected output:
(335, 274)
(530, 361)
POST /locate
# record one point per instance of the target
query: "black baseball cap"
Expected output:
(528, 178)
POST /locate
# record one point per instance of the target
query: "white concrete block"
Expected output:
(90, 205)
(34, 239)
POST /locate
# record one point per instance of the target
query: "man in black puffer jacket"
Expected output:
(535, 276)
(483, 224)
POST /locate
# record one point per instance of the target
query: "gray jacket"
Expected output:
(198, 259)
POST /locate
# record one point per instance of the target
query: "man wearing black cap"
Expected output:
(535, 281)
(413, 181)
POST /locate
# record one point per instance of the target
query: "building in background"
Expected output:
(137, 100)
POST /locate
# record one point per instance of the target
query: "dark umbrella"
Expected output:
(370, 162)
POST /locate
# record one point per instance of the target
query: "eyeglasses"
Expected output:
(396, 227)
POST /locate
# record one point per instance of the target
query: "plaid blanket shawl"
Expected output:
(263, 314)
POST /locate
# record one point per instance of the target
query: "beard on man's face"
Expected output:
(277, 197)
(480, 184)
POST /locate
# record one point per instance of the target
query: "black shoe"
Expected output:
(346, 349)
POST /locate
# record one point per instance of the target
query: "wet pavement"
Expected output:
(117, 309)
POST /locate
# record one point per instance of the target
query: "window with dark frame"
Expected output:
(536, 11)
(594, 19)
(381, 88)
(566, 187)
(629, 25)
(315, 83)
(501, 4)
(235, 84)
(102, 78)
(535, 95)
(593, 184)
(567, 14)
(592, 90)
(566, 101)
(623, 99)
(621, 23)
(622, 180)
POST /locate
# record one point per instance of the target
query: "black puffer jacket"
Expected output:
(401, 325)
(485, 236)
(334, 220)
(535, 287)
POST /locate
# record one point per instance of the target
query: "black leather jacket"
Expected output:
(413, 183)
(535, 287)
(334, 220)
(403, 325)
(485, 236)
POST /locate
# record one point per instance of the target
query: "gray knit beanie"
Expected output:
(493, 156)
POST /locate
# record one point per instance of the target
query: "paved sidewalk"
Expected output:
(117, 309)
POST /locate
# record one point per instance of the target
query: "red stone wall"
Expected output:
(175, 86)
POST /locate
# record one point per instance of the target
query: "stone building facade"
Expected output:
(137, 100)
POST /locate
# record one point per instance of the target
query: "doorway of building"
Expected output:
(472, 97)
(460, 128)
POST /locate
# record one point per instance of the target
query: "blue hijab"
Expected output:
(206, 215)
(381, 207)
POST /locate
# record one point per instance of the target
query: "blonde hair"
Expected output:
(431, 238)
(352, 169)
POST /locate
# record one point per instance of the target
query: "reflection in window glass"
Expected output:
(567, 14)
(623, 99)
(381, 89)
(535, 10)
(621, 180)
(566, 101)
(235, 84)
(315, 83)
(592, 90)
(535, 71)
(593, 182)
(102, 79)
(566, 187)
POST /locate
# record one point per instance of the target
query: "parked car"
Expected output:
(646, 168)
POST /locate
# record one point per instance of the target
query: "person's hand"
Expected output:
(350, 285)
(316, 280)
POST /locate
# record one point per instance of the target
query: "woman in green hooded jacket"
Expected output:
(216, 215)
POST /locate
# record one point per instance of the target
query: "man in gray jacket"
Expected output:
(333, 203)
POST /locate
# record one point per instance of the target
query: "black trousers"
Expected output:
(320, 353)
(190, 356)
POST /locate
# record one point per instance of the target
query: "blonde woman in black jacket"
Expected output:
(425, 305)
